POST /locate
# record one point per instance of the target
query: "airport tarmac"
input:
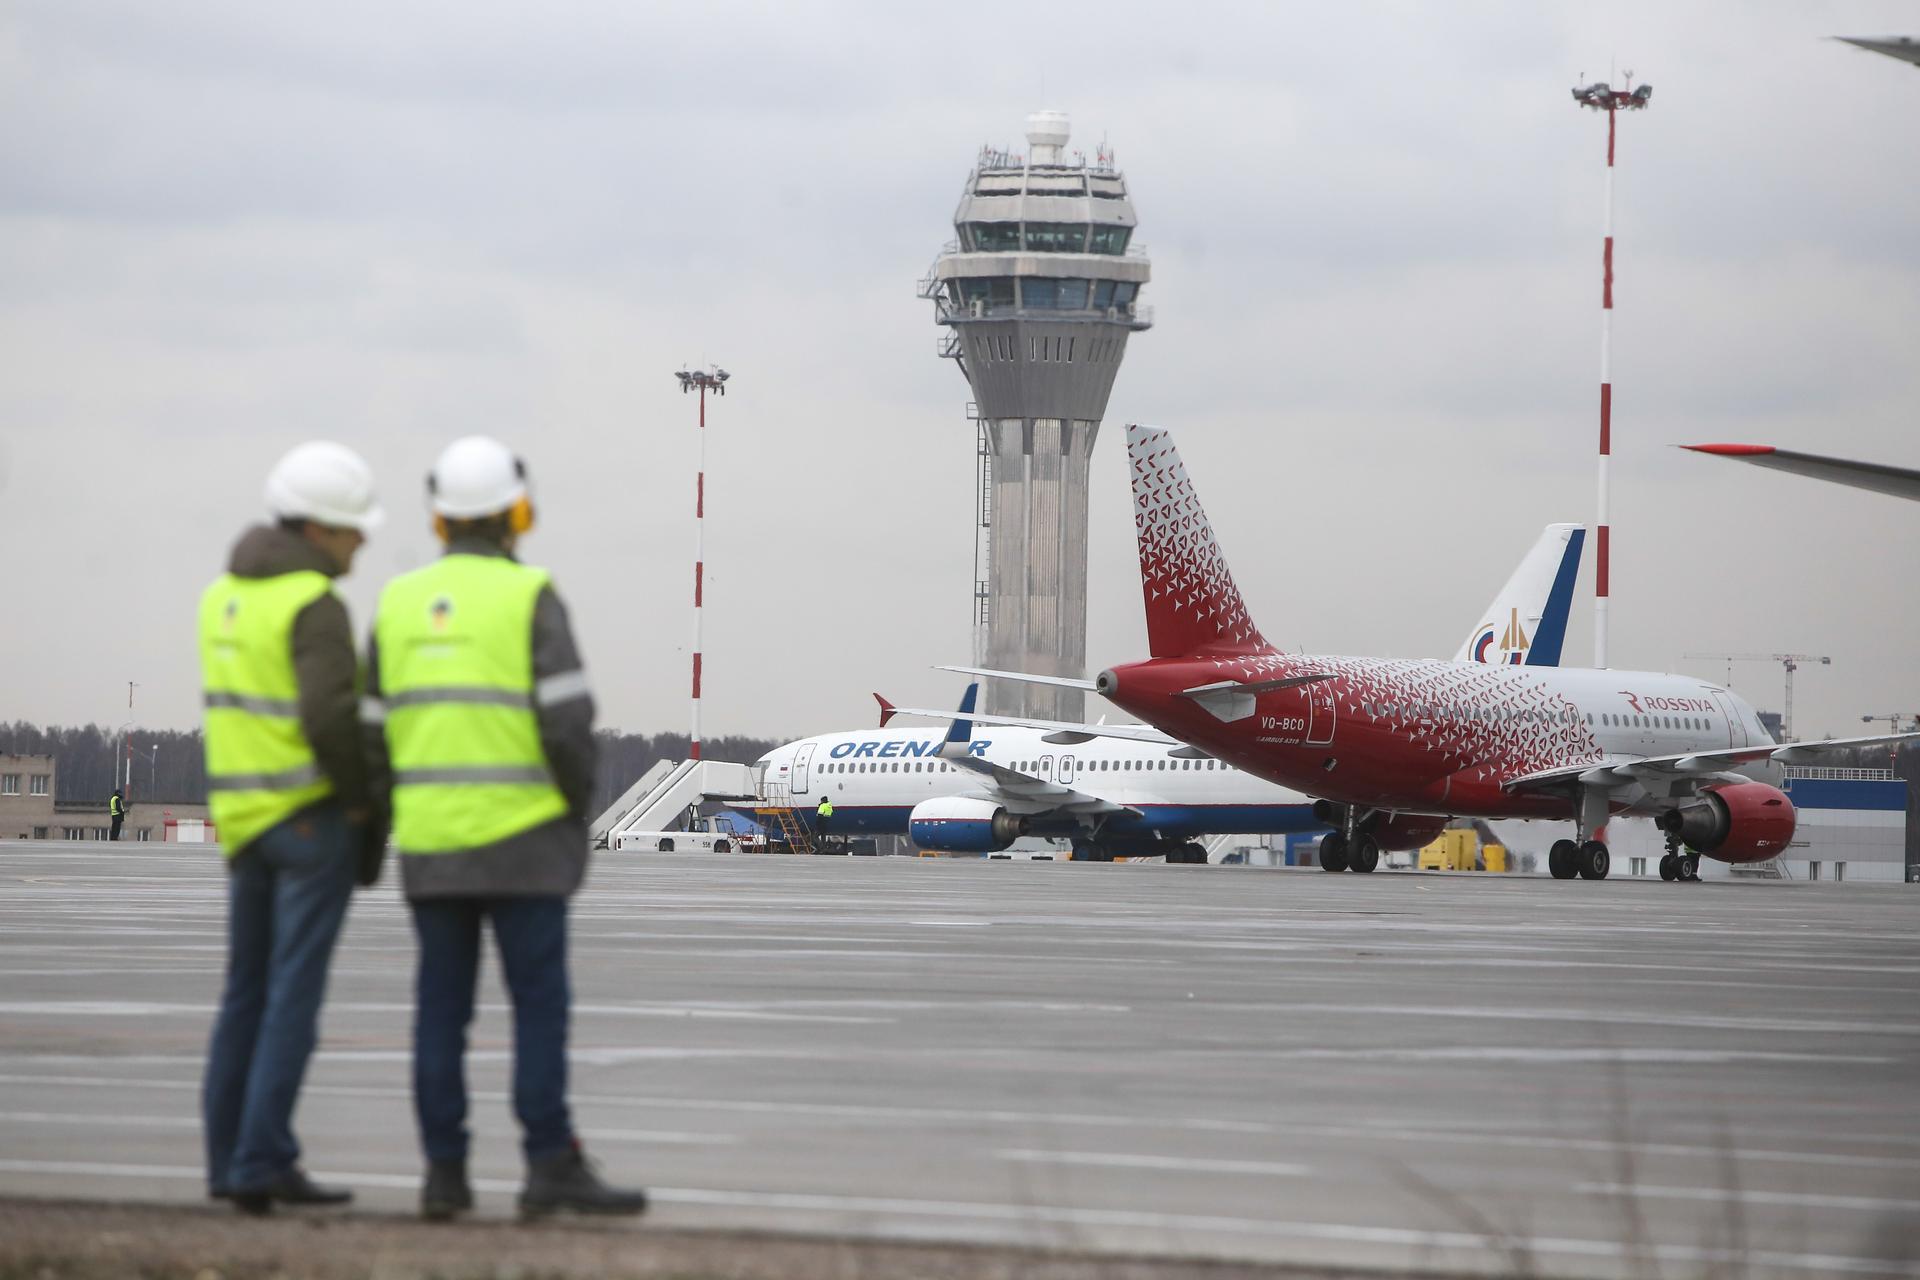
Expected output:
(1386, 1071)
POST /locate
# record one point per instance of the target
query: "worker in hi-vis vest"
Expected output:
(480, 728)
(823, 815)
(117, 811)
(287, 792)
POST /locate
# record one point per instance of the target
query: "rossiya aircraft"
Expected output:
(1141, 796)
(1390, 743)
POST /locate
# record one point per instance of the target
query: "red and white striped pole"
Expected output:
(1604, 97)
(716, 380)
(699, 567)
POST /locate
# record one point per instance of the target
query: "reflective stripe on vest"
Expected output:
(455, 644)
(260, 767)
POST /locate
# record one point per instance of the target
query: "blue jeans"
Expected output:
(532, 936)
(287, 893)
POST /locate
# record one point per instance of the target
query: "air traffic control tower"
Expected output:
(1039, 293)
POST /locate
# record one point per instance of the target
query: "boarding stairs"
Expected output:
(664, 795)
(776, 810)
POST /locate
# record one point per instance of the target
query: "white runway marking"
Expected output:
(1718, 1195)
(1118, 1160)
(1034, 1214)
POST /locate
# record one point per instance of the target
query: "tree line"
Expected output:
(169, 765)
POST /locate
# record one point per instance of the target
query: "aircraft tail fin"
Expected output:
(1192, 602)
(1526, 624)
(960, 733)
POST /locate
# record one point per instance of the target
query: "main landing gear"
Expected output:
(1587, 857)
(1678, 863)
(1349, 848)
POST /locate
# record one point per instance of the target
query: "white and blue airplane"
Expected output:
(1144, 795)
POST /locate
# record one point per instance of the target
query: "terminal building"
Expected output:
(30, 809)
(1038, 292)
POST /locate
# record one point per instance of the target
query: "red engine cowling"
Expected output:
(1406, 831)
(1734, 822)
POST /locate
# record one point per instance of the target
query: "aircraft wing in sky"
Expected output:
(1898, 482)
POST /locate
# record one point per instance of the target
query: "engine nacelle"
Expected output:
(1734, 822)
(956, 824)
(1407, 831)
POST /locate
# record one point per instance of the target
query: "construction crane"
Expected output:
(1791, 661)
(1897, 721)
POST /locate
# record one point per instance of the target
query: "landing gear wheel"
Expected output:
(1195, 855)
(1563, 859)
(1595, 861)
(1363, 855)
(1687, 866)
(1668, 871)
(1333, 853)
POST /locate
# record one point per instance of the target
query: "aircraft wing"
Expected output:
(1025, 793)
(1618, 771)
(1897, 482)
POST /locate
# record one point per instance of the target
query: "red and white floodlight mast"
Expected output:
(701, 381)
(1602, 96)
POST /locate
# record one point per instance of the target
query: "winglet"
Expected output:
(886, 710)
(960, 732)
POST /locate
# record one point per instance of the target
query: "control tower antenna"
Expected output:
(1602, 96)
(1037, 295)
(712, 379)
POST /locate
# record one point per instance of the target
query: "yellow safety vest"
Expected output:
(261, 769)
(455, 646)
(826, 808)
(113, 806)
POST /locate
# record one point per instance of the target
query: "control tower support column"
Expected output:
(1040, 291)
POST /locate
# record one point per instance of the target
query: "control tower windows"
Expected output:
(995, 292)
(1053, 293)
(1057, 237)
(993, 237)
(1109, 239)
(1102, 294)
(1124, 292)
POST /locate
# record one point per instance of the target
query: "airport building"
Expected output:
(1038, 292)
(31, 810)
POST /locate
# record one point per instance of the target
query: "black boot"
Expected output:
(568, 1181)
(446, 1191)
(291, 1187)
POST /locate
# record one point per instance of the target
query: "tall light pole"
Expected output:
(153, 761)
(714, 379)
(1602, 96)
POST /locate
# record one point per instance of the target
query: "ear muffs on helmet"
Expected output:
(520, 515)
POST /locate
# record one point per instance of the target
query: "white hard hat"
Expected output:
(326, 483)
(476, 476)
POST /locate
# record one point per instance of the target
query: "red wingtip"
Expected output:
(886, 710)
(1731, 450)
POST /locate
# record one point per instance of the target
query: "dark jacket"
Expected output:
(544, 861)
(323, 660)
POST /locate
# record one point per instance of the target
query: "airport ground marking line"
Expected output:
(1031, 1214)
(1750, 1196)
(1185, 1124)
(1183, 1164)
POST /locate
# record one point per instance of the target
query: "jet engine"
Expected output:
(1735, 821)
(1407, 831)
(956, 824)
(1397, 832)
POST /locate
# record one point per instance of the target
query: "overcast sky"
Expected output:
(230, 227)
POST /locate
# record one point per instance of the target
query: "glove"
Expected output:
(373, 851)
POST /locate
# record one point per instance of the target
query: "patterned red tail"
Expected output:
(1192, 604)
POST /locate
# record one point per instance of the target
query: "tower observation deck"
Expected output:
(1039, 292)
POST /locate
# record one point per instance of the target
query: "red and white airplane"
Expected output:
(1396, 742)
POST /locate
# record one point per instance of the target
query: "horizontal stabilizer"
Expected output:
(1061, 682)
(1230, 700)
